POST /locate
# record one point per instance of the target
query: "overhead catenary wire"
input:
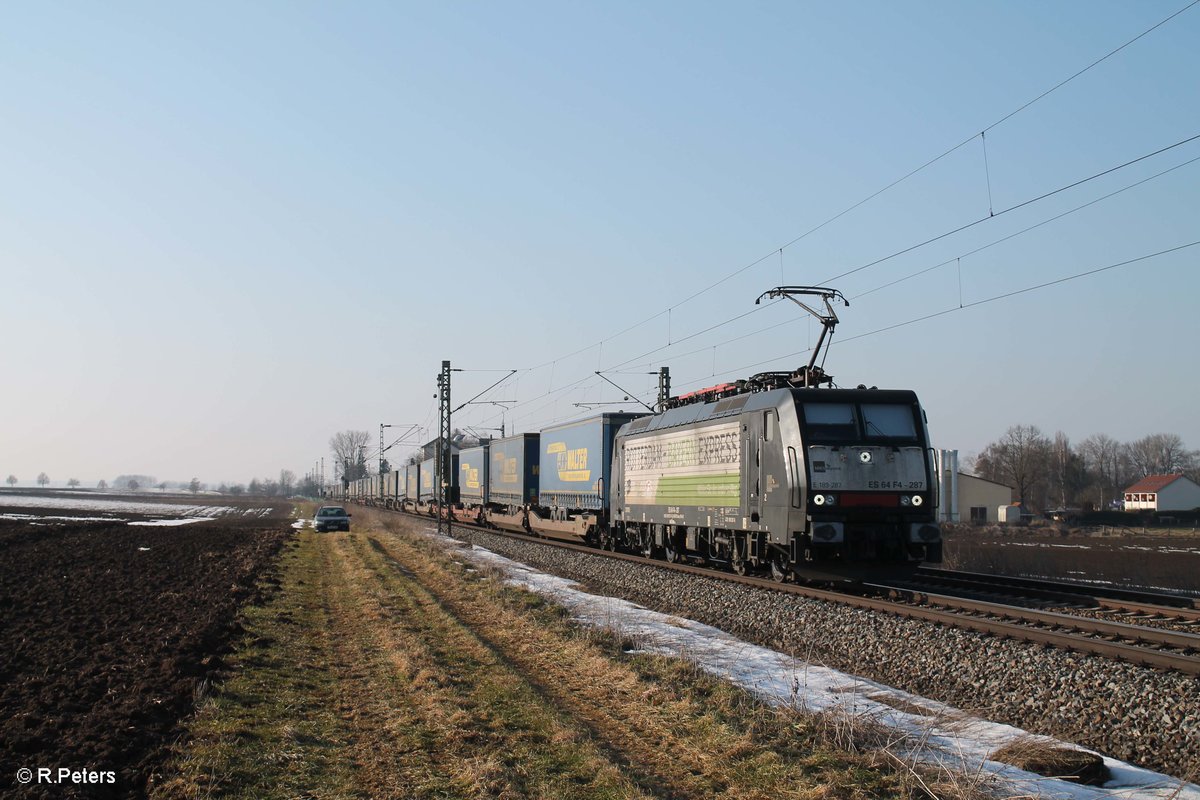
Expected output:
(957, 259)
(1011, 208)
(672, 341)
(1030, 201)
(715, 326)
(1035, 226)
(930, 162)
(966, 306)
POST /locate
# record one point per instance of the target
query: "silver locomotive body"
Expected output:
(795, 479)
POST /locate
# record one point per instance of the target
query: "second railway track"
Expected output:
(1169, 650)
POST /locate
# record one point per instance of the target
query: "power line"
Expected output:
(929, 269)
(1055, 218)
(1030, 201)
(870, 197)
(1102, 59)
(984, 301)
(878, 192)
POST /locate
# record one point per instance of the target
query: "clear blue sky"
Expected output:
(229, 230)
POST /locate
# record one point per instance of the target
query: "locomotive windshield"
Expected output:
(888, 421)
(852, 422)
(831, 422)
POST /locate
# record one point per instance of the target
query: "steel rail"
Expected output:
(1136, 654)
(1066, 587)
(1123, 600)
(1096, 627)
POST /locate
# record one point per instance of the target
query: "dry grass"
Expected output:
(1048, 758)
(383, 668)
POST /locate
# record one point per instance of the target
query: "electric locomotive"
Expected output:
(797, 480)
(779, 472)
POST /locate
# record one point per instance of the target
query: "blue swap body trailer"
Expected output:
(574, 472)
(802, 480)
(512, 481)
(394, 490)
(428, 495)
(412, 487)
(472, 474)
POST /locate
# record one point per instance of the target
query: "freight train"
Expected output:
(776, 474)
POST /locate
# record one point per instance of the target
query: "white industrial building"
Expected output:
(967, 498)
(1163, 493)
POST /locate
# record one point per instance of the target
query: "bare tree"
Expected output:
(1067, 470)
(72, 483)
(1020, 458)
(162, 486)
(1161, 453)
(133, 484)
(287, 480)
(43, 479)
(12, 480)
(194, 486)
(103, 484)
(347, 447)
(237, 489)
(1103, 457)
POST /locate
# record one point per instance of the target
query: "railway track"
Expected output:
(1109, 596)
(1169, 650)
(1150, 609)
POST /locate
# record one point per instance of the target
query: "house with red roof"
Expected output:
(1163, 493)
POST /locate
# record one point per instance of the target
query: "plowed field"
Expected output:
(109, 633)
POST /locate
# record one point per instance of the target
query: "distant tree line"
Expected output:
(1049, 472)
(284, 486)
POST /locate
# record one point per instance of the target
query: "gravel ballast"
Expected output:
(1129, 712)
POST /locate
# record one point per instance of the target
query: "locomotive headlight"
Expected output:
(905, 500)
(819, 500)
(917, 500)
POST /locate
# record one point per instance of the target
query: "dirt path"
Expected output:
(383, 668)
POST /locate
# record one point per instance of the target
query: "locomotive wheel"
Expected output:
(737, 557)
(672, 552)
(779, 569)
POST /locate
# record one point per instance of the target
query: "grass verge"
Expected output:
(383, 668)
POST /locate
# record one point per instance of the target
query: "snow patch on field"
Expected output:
(121, 506)
(69, 519)
(172, 523)
(941, 735)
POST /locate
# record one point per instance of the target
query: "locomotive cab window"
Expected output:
(888, 421)
(831, 422)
